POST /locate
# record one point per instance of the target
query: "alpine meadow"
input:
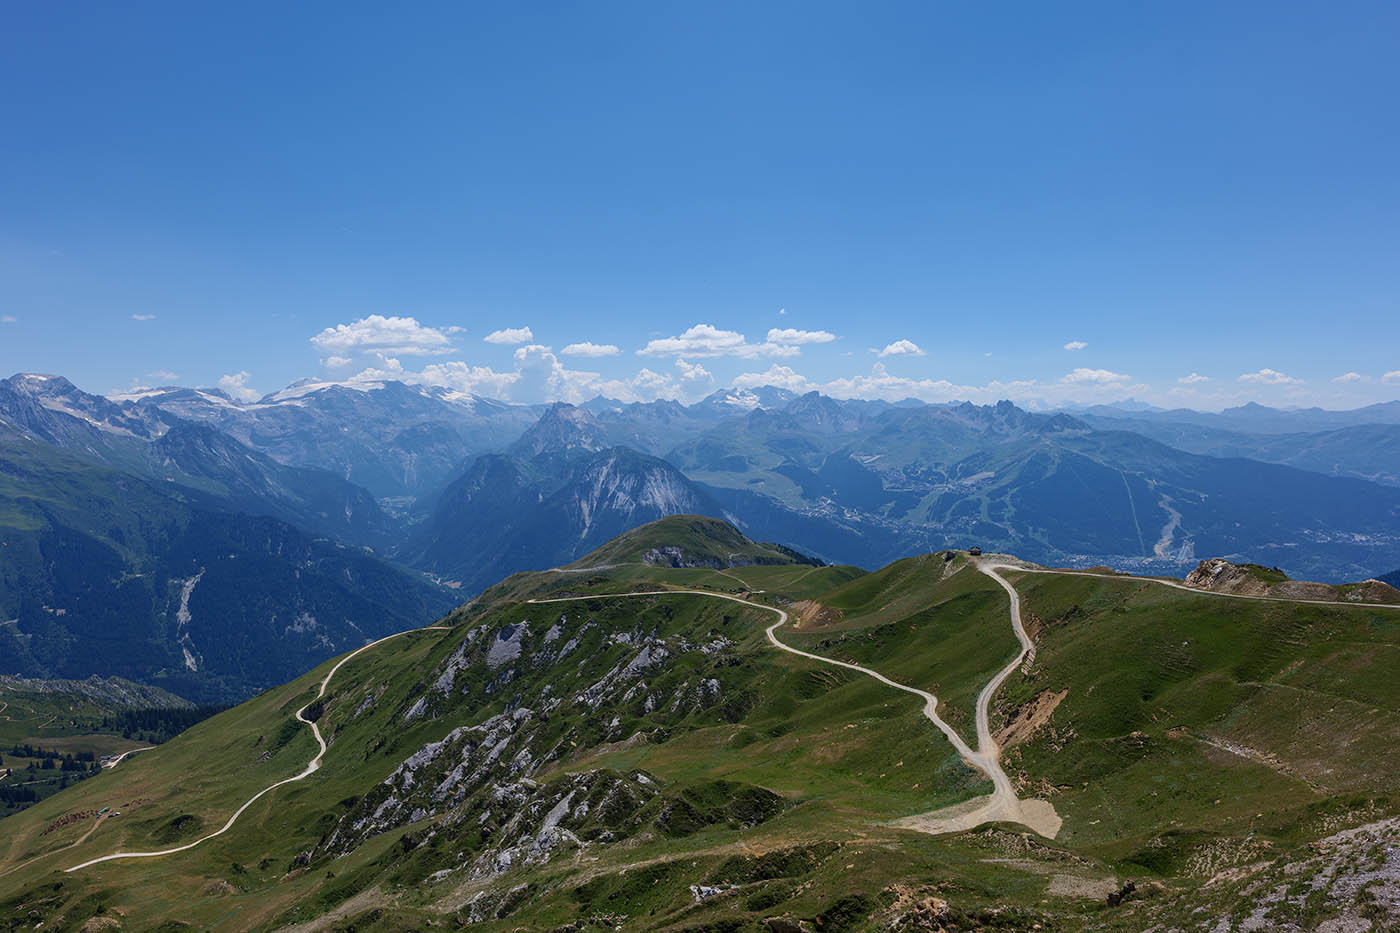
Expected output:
(717, 468)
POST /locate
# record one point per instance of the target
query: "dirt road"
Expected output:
(309, 770)
(1002, 804)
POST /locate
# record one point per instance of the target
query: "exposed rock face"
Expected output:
(115, 690)
(671, 556)
(1351, 877)
(505, 647)
(482, 777)
(621, 489)
(1221, 576)
(562, 430)
(549, 510)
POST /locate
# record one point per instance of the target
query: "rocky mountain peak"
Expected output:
(562, 430)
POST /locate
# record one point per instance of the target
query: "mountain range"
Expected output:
(356, 510)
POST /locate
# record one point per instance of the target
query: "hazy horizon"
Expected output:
(1075, 207)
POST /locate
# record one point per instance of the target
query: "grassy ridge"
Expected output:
(1215, 716)
(1195, 733)
(951, 646)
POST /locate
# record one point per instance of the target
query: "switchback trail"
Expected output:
(310, 769)
(1002, 804)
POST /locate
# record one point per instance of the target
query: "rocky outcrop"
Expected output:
(473, 765)
(114, 690)
(672, 556)
(1218, 575)
(562, 430)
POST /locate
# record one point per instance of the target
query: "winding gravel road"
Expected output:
(311, 767)
(1002, 805)
(1352, 604)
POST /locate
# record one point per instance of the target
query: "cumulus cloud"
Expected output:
(1193, 379)
(788, 336)
(396, 336)
(337, 362)
(590, 349)
(510, 336)
(702, 340)
(163, 375)
(236, 385)
(1391, 377)
(1269, 377)
(143, 317)
(882, 384)
(8, 319)
(1082, 375)
(1076, 345)
(784, 377)
(1349, 377)
(694, 373)
(706, 340)
(538, 375)
(902, 348)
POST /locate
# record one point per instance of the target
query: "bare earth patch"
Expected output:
(1025, 721)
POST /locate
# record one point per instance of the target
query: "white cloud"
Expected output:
(694, 373)
(236, 385)
(881, 384)
(1269, 377)
(537, 375)
(1392, 376)
(8, 319)
(791, 337)
(701, 340)
(781, 376)
(1076, 345)
(1081, 376)
(902, 348)
(337, 362)
(706, 340)
(163, 375)
(1193, 379)
(399, 336)
(510, 335)
(588, 348)
(782, 311)
(1349, 377)
(143, 317)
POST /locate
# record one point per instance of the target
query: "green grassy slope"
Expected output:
(583, 764)
(945, 634)
(1196, 732)
(54, 733)
(689, 541)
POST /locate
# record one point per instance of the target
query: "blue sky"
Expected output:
(266, 192)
